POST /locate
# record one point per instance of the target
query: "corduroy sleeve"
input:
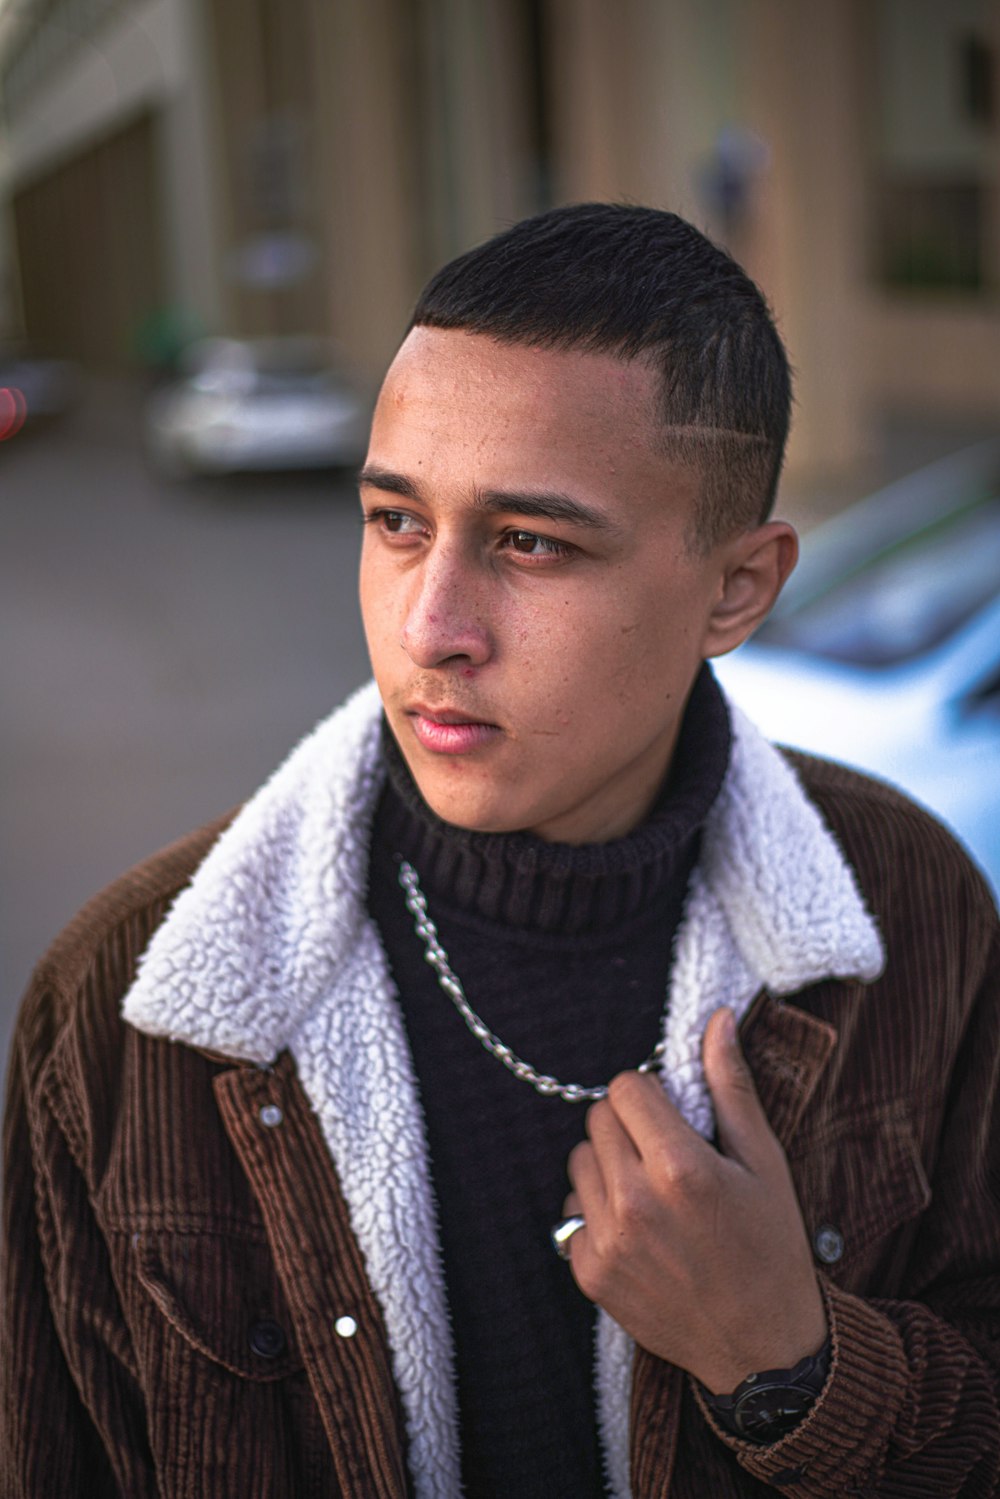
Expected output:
(911, 1405)
(71, 1420)
(909, 1409)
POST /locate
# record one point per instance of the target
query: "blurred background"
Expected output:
(214, 218)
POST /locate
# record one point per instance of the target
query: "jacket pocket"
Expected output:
(220, 1292)
(860, 1183)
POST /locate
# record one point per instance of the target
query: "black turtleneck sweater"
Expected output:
(564, 952)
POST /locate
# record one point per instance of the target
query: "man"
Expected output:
(295, 1105)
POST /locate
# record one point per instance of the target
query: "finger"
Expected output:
(586, 1174)
(616, 1150)
(650, 1119)
(572, 1205)
(744, 1132)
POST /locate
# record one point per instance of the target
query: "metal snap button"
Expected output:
(271, 1115)
(345, 1327)
(828, 1243)
(267, 1338)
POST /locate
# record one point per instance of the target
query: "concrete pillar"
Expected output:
(595, 103)
(803, 95)
(475, 148)
(192, 188)
(367, 172)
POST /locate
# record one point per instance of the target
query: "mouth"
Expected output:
(450, 731)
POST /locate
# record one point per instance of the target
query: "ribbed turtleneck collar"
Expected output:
(525, 882)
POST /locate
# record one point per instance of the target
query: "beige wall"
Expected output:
(936, 353)
(802, 90)
(941, 358)
(420, 114)
(367, 172)
(641, 90)
(644, 87)
(90, 240)
(149, 57)
(417, 144)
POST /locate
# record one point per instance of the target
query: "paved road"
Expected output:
(163, 648)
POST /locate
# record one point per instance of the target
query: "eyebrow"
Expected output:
(538, 504)
(384, 478)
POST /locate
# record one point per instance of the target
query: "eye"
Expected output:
(530, 544)
(395, 522)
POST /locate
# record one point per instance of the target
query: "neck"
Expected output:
(529, 882)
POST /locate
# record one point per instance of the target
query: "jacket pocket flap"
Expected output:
(221, 1293)
(862, 1178)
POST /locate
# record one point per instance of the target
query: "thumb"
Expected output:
(744, 1131)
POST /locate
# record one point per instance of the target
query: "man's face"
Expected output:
(534, 613)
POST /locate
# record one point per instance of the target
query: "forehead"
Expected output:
(513, 413)
(476, 366)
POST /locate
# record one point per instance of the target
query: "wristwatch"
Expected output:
(765, 1407)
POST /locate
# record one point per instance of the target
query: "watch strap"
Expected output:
(747, 1412)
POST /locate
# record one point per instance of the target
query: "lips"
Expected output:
(449, 731)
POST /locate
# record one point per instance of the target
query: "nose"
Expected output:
(445, 620)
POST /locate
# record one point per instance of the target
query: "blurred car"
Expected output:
(884, 649)
(251, 404)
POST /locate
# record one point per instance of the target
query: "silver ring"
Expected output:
(564, 1231)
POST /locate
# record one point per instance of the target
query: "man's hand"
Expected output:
(701, 1256)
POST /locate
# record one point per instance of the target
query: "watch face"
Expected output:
(769, 1411)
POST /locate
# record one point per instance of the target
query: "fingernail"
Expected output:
(729, 1029)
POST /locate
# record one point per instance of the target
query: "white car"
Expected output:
(884, 650)
(252, 404)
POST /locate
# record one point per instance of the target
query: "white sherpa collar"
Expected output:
(271, 948)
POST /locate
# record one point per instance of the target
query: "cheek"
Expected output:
(378, 604)
(583, 674)
(642, 661)
(365, 589)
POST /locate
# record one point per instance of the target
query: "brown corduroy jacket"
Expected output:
(186, 1311)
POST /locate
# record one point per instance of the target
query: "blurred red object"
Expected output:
(13, 411)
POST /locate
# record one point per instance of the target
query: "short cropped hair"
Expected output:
(643, 284)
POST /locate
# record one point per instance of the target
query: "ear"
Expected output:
(754, 566)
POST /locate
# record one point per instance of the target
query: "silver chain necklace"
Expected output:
(436, 956)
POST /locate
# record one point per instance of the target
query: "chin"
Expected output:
(468, 813)
(471, 820)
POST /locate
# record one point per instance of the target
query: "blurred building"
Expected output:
(248, 166)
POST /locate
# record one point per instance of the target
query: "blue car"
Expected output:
(884, 649)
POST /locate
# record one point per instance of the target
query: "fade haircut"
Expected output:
(643, 284)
